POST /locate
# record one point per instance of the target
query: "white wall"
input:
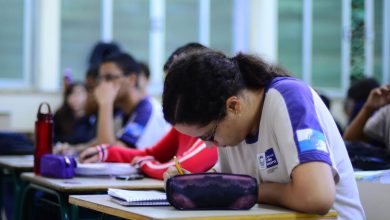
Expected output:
(21, 108)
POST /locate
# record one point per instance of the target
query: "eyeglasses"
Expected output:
(109, 77)
(211, 136)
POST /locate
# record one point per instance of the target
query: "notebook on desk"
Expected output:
(138, 197)
(104, 169)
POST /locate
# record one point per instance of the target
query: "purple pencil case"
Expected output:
(58, 166)
(212, 191)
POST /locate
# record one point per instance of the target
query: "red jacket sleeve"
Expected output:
(162, 151)
(121, 154)
(198, 158)
(166, 148)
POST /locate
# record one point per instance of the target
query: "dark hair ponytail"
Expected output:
(255, 72)
(198, 84)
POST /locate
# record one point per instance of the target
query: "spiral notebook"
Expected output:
(138, 197)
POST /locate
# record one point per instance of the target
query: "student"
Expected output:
(252, 110)
(327, 103)
(357, 95)
(154, 161)
(373, 120)
(182, 51)
(71, 125)
(119, 88)
(143, 80)
(99, 52)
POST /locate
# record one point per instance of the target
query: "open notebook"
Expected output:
(101, 169)
(138, 197)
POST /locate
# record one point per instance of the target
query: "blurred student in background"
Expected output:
(99, 52)
(143, 122)
(373, 120)
(327, 103)
(71, 125)
(144, 77)
(357, 95)
(153, 161)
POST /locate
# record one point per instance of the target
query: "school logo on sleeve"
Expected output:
(310, 139)
(267, 159)
(133, 129)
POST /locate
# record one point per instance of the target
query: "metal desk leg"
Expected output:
(61, 197)
(18, 189)
(1, 193)
(74, 209)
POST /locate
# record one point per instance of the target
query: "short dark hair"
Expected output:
(197, 85)
(100, 51)
(145, 69)
(360, 90)
(125, 62)
(185, 48)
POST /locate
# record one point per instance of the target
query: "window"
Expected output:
(221, 25)
(290, 36)
(181, 24)
(80, 30)
(326, 50)
(131, 27)
(326, 33)
(11, 44)
(378, 40)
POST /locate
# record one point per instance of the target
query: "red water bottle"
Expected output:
(43, 136)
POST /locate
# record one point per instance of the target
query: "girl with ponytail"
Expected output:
(266, 124)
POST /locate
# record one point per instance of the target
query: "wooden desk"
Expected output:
(90, 184)
(103, 204)
(13, 166)
(17, 163)
(62, 188)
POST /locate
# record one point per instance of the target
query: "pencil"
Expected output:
(178, 167)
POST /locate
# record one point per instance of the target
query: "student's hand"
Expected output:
(89, 155)
(138, 160)
(106, 92)
(65, 149)
(60, 148)
(172, 171)
(378, 97)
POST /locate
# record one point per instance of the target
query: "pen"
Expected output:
(178, 167)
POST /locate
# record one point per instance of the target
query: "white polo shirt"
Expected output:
(296, 127)
(378, 126)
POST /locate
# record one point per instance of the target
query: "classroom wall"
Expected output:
(18, 109)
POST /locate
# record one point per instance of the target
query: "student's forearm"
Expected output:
(283, 194)
(105, 130)
(355, 130)
(311, 189)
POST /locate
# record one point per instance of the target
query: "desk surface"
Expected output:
(91, 184)
(375, 198)
(103, 204)
(20, 162)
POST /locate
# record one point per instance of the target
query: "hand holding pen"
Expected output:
(94, 154)
(174, 170)
(178, 167)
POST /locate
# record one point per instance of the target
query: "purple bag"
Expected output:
(58, 166)
(212, 191)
